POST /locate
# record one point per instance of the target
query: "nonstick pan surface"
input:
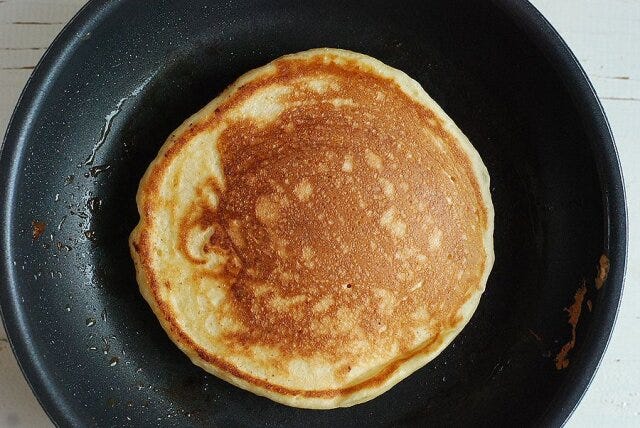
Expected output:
(124, 74)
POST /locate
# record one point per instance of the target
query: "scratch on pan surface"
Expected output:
(562, 362)
(603, 271)
(108, 120)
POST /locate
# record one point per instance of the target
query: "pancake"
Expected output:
(316, 233)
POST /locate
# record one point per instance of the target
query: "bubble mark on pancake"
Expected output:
(303, 190)
(347, 164)
(373, 160)
(391, 221)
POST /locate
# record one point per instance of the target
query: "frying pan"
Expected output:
(124, 74)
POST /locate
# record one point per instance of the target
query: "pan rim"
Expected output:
(549, 41)
(59, 412)
(533, 25)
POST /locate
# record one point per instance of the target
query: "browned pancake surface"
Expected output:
(351, 226)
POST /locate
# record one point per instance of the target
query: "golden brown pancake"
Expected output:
(317, 233)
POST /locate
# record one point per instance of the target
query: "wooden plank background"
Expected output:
(604, 35)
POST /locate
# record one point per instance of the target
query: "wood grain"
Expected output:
(604, 35)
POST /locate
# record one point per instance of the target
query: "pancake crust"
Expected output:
(318, 232)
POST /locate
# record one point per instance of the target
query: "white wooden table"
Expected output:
(604, 35)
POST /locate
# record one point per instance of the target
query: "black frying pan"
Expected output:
(124, 74)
